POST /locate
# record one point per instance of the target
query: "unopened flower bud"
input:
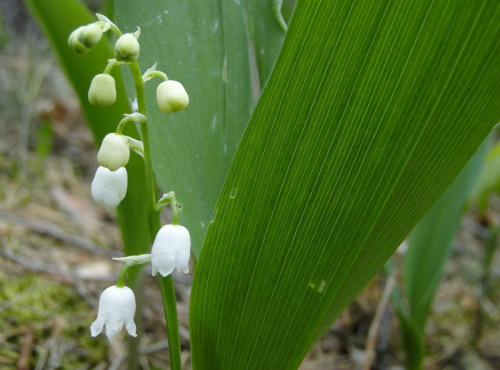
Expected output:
(171, 96)
(116, 309)
(109, 188)
(114, 152)
(171, 249)
(75, 44)
(127, 48)
(90, 35)
(102, 90)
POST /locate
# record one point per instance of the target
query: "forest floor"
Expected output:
(56, 244)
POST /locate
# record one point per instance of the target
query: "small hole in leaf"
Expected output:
(233, 193)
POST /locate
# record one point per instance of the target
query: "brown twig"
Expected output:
(34, 265)
(60, 235)
(375, 325)
(26, 348)
(385, 331)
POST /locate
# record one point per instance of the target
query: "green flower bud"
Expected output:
(102, 90)
(114, 152)
(90, 35)
(171, 96)
(75, 44)
(127, 48)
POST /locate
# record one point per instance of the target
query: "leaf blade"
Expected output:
(284, 255)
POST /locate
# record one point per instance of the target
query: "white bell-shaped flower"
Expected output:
(116, 309)
(171, 249)
(109, 187)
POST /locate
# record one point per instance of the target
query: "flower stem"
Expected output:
(120, 282)
(169, 199)
(121, 125)
(152, 74)
(110, 65)
(167, 284)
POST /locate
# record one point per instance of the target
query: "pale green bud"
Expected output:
(114, 152)
(90, 35)
(75, 44)
(127, 48)
(102, 90)
(171, 96)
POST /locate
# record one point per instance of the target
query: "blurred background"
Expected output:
(56, 244)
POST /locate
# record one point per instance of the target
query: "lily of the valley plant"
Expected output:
(172, 243)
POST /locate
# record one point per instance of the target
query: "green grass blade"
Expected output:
(430, 242)
(204, 45)
(57, 19)
(371, 111)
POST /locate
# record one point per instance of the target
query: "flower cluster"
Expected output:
(171, 250)
(109, 186)
(172, 245)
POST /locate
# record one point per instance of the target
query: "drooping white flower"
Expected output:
(116, 309)
(171, 249)
(109, 187)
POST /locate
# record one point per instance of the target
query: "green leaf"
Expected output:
(267, 35)
(57, 19)
(429, 247)
(203, 45)
(489, 180)
(371, 111)
(430, 242)
(413, 337)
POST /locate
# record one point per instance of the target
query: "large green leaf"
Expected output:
(57, 19)
(372, 109)
(204, 45)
